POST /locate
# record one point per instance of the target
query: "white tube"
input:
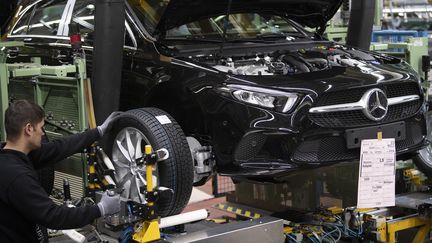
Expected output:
(183, 218)
(106, 160)
(74, 235)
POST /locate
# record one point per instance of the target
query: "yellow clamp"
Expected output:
(413, 175)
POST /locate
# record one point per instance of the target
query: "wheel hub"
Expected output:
(126, 151)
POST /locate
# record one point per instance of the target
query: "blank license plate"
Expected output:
(394, 130)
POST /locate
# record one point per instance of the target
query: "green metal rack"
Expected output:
(60, 91)
(41, 80)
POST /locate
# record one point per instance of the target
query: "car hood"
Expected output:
(312, 13)
(335, 79)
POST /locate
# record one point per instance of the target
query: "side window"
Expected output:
(20, 27)
(40, 20)
(45, 18)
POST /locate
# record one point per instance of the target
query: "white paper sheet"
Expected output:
(376, 185)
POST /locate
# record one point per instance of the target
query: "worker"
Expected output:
(25, 208)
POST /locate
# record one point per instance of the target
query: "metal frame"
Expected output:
(266, 229)
(71, 76)
(4, 81)
(388, 230)
(42, 75)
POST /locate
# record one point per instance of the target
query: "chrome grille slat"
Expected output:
(360, 105)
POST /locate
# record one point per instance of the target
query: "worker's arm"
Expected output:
(59, 149)
(30, 199)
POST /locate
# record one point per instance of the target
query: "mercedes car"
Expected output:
(241, 88)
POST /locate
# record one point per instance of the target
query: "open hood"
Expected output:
(312, 13)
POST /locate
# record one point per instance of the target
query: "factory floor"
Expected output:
(202, 198)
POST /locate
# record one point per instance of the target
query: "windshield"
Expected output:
(238, 25)
(149, 11)
(243, 25)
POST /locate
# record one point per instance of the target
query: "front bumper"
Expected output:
(317, 148)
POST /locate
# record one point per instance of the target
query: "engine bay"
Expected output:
(291, 62)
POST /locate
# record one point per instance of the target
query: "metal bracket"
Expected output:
(144, 211)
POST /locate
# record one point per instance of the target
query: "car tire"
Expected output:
(46, 178)
(160, 130)
(423, 160)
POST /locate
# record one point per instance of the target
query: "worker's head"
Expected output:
(24, 121)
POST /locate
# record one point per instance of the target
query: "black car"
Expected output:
(255, 95)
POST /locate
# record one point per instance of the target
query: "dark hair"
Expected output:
(18, 114)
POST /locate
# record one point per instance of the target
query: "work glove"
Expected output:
(107, 124)
(109, 204)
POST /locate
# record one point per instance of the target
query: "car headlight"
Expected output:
(254, 98)
(273, 99)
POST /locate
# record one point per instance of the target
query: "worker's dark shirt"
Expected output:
(24, 203)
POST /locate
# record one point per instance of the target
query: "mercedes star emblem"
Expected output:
(376, 104)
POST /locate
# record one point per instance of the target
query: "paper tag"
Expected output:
(163, 119)
(377, 169)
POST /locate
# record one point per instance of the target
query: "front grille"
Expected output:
(341, 97)
(346, 119)
(330, 149)
(333, 149)
(354, 95)
(357, 118)
(397, 90)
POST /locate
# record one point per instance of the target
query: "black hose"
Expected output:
(320, 61)
(298, 64)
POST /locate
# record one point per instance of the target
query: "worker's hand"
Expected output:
(109, 204)
(107, 124)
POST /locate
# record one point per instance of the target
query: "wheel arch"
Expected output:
(181, 104)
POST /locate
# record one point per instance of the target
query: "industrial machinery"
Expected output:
(133, 213)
